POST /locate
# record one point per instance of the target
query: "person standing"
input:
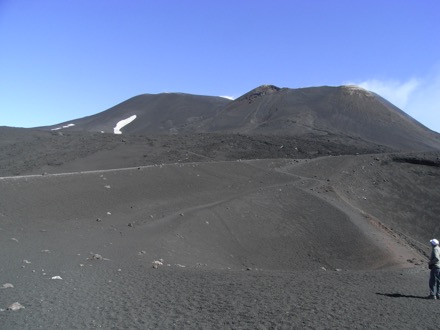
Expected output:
(434, 265)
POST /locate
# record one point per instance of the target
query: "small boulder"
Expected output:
(15, 306)
(157, 263)
(96, 256)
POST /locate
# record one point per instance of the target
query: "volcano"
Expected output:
(268, 110)
(285, 208)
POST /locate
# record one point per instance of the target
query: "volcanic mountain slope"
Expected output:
(225, 236)
(329, 230)
(276, 206)
(258, 214)
(398, 193)
(346, 111)
(155, 113)
(27, 151)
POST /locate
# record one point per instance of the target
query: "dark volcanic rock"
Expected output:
(303, 187)
(259, 92)
(345, 110)
(33, 152)
(165, 113)
(268, 110)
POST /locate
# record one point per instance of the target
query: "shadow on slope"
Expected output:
(397, 192)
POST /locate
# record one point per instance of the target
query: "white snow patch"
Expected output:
(66, 126)
(228, 97)
(122, 123)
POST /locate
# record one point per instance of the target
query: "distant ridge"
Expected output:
(267, 110)
(155, 113)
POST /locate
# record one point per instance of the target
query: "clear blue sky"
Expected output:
(61, 60)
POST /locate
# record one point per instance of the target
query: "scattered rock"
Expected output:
(15, 306)
(26, 261)
(157, 263)
(96, 256)
(14, 239)
(56, 278)
(7, 285)
(99, 220)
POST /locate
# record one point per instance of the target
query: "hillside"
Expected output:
(346, 111)
(164, 113)
(224, 236)
(283, 208)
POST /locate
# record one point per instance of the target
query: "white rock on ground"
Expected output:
(15, 306)
(7, 285)
(157, 263)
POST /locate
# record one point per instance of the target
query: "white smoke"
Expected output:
(394, 91)
(418, 97)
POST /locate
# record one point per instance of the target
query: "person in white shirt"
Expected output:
(434, 265)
